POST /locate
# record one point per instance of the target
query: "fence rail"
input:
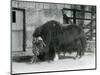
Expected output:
(92, 19)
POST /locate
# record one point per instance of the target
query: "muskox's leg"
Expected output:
(56, 57)
(57, 52)
(52, 54)
(78, 53)
(35, 54)
(63, 54)
(81, 52)
(34, 59)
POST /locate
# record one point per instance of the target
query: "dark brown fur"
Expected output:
(58, 39)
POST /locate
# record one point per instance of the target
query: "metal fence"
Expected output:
(86, 19)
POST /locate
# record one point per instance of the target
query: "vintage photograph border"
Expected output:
(24, 35)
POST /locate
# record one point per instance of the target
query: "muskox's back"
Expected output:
(69, 34)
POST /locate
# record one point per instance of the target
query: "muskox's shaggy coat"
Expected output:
(60, 39)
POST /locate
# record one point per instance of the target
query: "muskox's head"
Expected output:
(37, 32)
(38, 45)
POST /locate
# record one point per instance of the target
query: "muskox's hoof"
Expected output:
(49, 61)
(30, 62)
(34, 60)
(77, 57)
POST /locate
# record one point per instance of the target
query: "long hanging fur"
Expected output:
(57, 38)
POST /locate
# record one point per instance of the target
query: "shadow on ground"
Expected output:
(66, 57)
(26, 59)
(21, 58)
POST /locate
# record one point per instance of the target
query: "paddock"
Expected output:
(22, 65)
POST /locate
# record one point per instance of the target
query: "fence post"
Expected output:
(74, 16)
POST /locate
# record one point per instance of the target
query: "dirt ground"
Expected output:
(22, 65)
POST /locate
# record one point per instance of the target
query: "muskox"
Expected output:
(58, 38)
